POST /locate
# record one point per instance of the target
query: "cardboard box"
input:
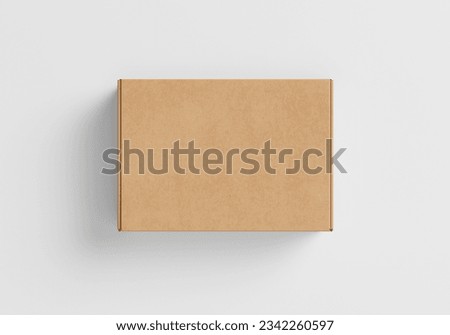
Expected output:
(198, 155)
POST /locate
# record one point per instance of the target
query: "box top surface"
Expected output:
(225, 115)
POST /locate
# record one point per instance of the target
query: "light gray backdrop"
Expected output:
(59, 248)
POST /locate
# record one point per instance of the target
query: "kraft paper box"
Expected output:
(225, 155)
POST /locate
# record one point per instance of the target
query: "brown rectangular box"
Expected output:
(222, 134)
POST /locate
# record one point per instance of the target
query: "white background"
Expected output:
(60, 251)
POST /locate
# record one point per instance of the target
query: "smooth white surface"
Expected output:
(59, 248)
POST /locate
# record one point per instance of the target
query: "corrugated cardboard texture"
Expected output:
(225, 114)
